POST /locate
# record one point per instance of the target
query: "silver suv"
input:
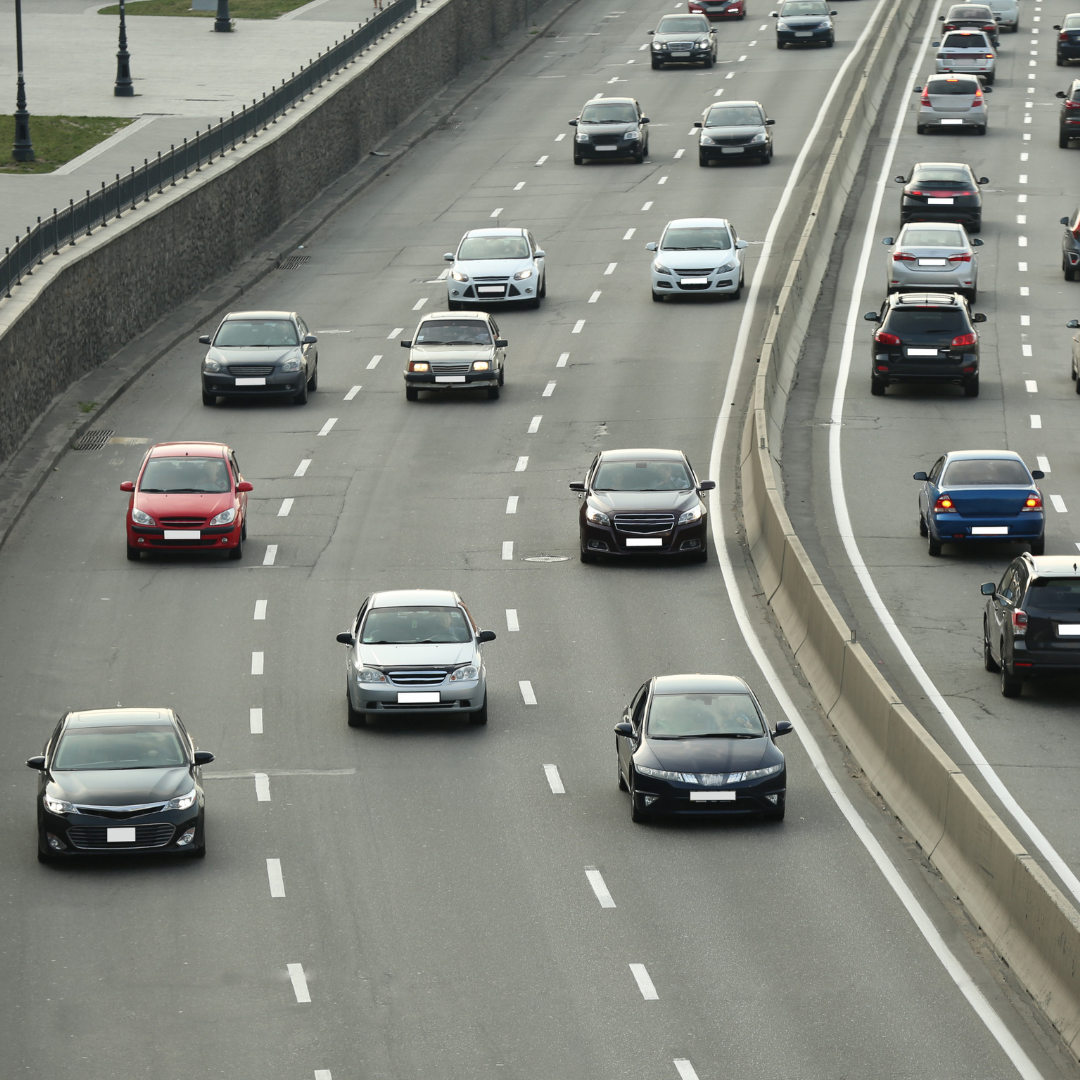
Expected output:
(415, 651)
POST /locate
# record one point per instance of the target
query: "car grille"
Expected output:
(250, 370)
(119, 812)
(418, 677)
(696, 273)
(491, 279)
(185, 521)
(680, 46)
(605, 140)
(96, 836)
(450, 369)
(733, 140)
(644, 524)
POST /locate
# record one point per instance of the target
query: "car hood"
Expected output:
(119, 787)
(184, 504)
(491, 267)
(441, 655)
(606, 129)
(627, 501)
(708, 755)
(695, 36)
(451, 352)
(274, 354)
(734, 131)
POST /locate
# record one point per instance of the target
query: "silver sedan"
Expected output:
(933, 255)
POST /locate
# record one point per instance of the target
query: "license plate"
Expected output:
(951, 122)
(645, 541)
(933, 262)
(944, 202)
(804, 33)
(1068, 629)
(731, 150)
(422, 697)
(250, 382)
(449, 378)
(990, 530)
(922, 352)
(182, 534)
(605, 148)
(491, 288)
(712, 796)
(693, 281)
(120, 836)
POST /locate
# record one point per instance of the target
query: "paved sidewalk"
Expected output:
(186, 76)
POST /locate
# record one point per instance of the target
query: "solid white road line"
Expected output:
(262, 787)
(255, 721)
(353, 392)
(1043, 463)
(271, 555)
(534, 425)
(286, 506)
(512, 624)
(595, 296)
(508, 549)
(260, 609)
(542, 159)
(1059, 504)
(273, 873)
(527, 694)
(256, 663)
(645, 984)
(374, 361)
(328, 426)
(1036, 421)
(548, 390)
(1031, 385)
(299, 982)
(563, 357)
(578, 326)
(686, 1070)
(394, 333)
(597, 882)
(420, 303)
(511, 504)
(554, 780)
(302, 467)
(960, 977)
(522, 463)
(629, 234)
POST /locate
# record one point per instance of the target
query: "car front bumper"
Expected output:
(624, 148)
(387, 698)
(682, 56)
(153, 538)
(689, 284)
(803, 37)
(733, 153)
(473, 380)
(681, 540)
(221, 384)
(81, 835)
(655, 796)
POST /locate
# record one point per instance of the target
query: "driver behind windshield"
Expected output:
(446, 332)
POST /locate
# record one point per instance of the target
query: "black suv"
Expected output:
(1069, 117)
(611, 128)
(924, 337)
(1068, 44)
(683, 39)
(1032, 619)
(942, 191)
(1070, 246)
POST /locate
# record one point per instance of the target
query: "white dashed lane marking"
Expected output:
(519, 185)
(374, 361)
(610, 269)
(420, 303)
(496, 212)
(328, 426)
(563, 357)
(256, 663)
(271, 555)
(542, 159)
(647, 206)
(1031, 385)
(534, 425)
(302, 467)
(662, 180)
(1025, 320)
(595, 296)
(352, 393)
(548, 390)
(527, 694)
(512, 624)
(686, 1070)
(260, 609)
(679, 154)
(299, 982)
(522, 463)
(1036, 421)
(262, 787)
(597, 882)
(1043, 463)
(1059, 504)
(578, 326)
(508, 550)
(511, 504)
(719, 93)
(645, 984)
(286, 506)
(1022, 267)
(394, 333)
(560, 136)
(255, 721)
(554, 780)
(1021, 241)
(273, 874)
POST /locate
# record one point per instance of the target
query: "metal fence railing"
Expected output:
(98, 208)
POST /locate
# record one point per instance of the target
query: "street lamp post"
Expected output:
(22, 149)
(123, 87)
(223, 22)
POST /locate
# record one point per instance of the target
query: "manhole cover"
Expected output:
(547, 558)
(94, 440)
(293, 261)
(451, 123)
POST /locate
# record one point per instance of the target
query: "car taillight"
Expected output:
(961, 258)
(903, 256)
(1019, 622)
(926, 96)
(1033, 502)
(944, 505)
(989, 29)
(883, 338)
(1063, 36)
(1072, 104)
(989, 56)
(963, 339)
(950, 26)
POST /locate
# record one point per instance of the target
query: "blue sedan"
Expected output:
(981, 495)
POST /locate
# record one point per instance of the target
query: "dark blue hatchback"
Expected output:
(972, 495)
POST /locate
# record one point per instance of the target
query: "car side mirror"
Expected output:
(901, 179)
(308, 339)
(706, 485)
(935, 44)
(987, 588)
(774, 14)
(650, 31)
(887, 241)
(244, 485)
(834, 12)
(501, 343)
(915, 90)
(941, 18)
(976, 242)
(1064, 221)
(1060, 94)
(128, 485)
(36, 762)
(346, 639)
(449, 257)
(919, 476)
(1072, 324)
(978, 317)
(624, 729)
(577, 485)
(204, 339)
(485, 635)
(651, 246)
(740, 244)
(538, 254)
(872, 316)
(406, 344)
(986, 90)
(769, 123)
(573, 123)
(783, 727)
(712, 30)
(202, 757)
(644, 120)
(1056, 27)
(1038, 474)
(984, 179)
(697, 123)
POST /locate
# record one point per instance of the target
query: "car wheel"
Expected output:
(975, 226)
(237, 553)
(300, 398)
(1068, 271)
(775, 815)
(411, 393)
(45, 856)
(658, 298)
(355, 717)
(1059, 61)
(480, 716)
(243, 530)
(923, 530)
(766, 159)
(702, 555)
(703, 161)
(578, 159)
(587, 556)
(988, 656)
(933, 547)
(877, 387)
(313, 382)
(635, 813)
(981, 129)
(779, 44)
(502, 375)
(639, 159)
(971, 387)
(543, 287)
(737, 294)
(971, 294)
(656, 65)
(1077, 382)
(493, 393)
(1011, 683)
(989, 80)
(534, 302)
(920, 129)
(209, 399)
(1038, 547)
(830, 42)
(133, 553)
(709, 61)
(1063, 140)
(198, 852)
(453, 305)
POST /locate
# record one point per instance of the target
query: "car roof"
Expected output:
(434, 316)
(645, 454)
(918, 299)
(611, 101)
(121, 717)
(984, 455)
(185, 449)
(940, 164)
(699, 684)
(495, 232)
(259, 315)
(724, 104)
(696, 222)
(1053, 565)
(960, 7)
(415, 598)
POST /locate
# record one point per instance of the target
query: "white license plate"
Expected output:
(422, 697)
(120, 836)
(947, 122)
(1068, 630)
(491, 288)
(922, 352)
(712, 796)
(182, 534)
(645, 541)
(731, 150)
(693, 281)
(943, 202)
(250, 382)
(804, 33)
(933, 262)
(449, 378)
(990, 530)
(605, 148)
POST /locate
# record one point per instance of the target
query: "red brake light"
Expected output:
(1033, 501)
(963, 339)
(944, 505)
(950, 26)
(1019, 621)
(1072, 104)
(1063, 36)
(925, 95)
(903, 256)
(961, 258)
(989, 29)
(882, 338)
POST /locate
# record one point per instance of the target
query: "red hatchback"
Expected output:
(719, 9)
(189, 496)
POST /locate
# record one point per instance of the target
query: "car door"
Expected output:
(356, 634)
(1001, 606)
(634, 715)
(929, 493)
(500, 352)
(643, 126)
(237, 477)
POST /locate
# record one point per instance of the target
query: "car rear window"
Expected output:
(185, 476)
(966, 41)
(415, 626)
(905, 321)
(256, 333)
(968, 13)
(1000, 472)
(118, 748)
(1071, 22)
(688, 716)
(952, 86)
(923, 237)
(642, 476)
(1054, 594)
(941, 175)
(453, 332)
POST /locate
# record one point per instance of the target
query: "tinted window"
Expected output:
(925, 237)
(1002, 472)
(804, 7)
(119, 748)
(966, 41)
(1054, 594)
(927, 321)
(609, 114)
(952, 86)
(494, 247)
(734, 116)
(186, 475)
(453, 332)
(942, 175)
(699, 238)
(686, 716)
(642, 476)
(414, 626)
(255, 333)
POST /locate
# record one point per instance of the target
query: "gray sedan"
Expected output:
(933, 255)
(957, 101)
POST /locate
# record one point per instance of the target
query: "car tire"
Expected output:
(1077, 383)
(209, 399)
(502, 376)
(411, 393)
(578, 159)
(1059, 61)
(972, 295)
(354, 716)
(45, 857)
(198, 852)
(779, 44)
(1011, 683)
(1063, 140)
(980, 130)
(493, 393)
(830, 42)
(587, 556)
(618, 770)
(766, 159)
(971, 387)
(1038, 547)
(933, 547)
(777, 814)
(313, 382)
(975, 226)
(877, 387)
(703, 161)
(479, 717)
(1068, 271)
(237, 553)
(702, 555)
(543, 288)
(453, 305)
(923, 530)
(133, 553)
(709, 61)
(920, 129)
(300, 397)
(658, 298)
(639, 159)
(636, 815)
(988, 656)
(657, 65)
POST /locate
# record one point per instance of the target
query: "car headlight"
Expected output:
(707, 141)
(292, 364)
(824, 25)
(468, 673)
(370, 675)
(701, 45)
(691, 515)
(659, 46)
(726, 268)
(753, 774)
(597, 517)
(141, 518)
(759, 137)
(782, 26)
(663, 774)
(481, 365)
(211, 365)
(419, 365)
(457, 275)
(660, 268)
(521, 275)
(183, 802)
(226, 517)
(57, 806)
(631, 135)
(581, 137)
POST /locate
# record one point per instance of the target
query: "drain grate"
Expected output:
(451, 123)
(294, 261)
(547, 558)
(94, 440)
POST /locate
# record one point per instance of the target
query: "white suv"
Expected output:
(495, 266)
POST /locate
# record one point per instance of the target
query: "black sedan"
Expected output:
(643, 502)
(735, 130)
(804, 22)
(683, 39)
(1068, 42)
(611, 128)
(260, 352)
(942, 191)
(699, 744)
(120, 781)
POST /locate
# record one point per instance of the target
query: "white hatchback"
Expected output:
(697, 255)
(495, 266)
(967, 52)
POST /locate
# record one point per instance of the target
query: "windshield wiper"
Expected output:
(718, 735)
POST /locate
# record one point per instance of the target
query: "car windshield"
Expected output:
(255, 333)
(615, 113)
(118, 748)
(642, 476)
(683, 24)
(493, 247)
(804, 7)
(415, 626)
(952, 86)
(191, 475)
(703, 716)
(453, 332)
(966, 41)
(924, 237)
(1002, 472)
(944, 321)
(698, 238)
(1054, 594)
(734, 116)
(941, 176)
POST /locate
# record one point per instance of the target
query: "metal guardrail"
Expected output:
(98, 208)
